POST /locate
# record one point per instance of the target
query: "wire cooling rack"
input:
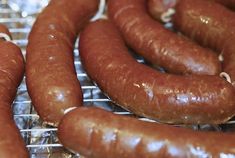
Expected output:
(41, 140)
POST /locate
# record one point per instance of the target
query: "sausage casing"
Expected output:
(193, 99)
(96, 133)
(162, 10)
(50, 73)
(157, 9)
(11, 73)
(158, 45)
(228, 3)
(210, 24)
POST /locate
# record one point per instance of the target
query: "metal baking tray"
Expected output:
(41, 140)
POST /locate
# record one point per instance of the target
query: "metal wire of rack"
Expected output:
(41, 140)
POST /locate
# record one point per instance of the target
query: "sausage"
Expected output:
(192, 99)
(229, 61)
(11, 74)
(210, 24)
(162, 10)
(50, 72)
(228, 3)
(205, 22)
(158, 45)
(12, 144)
(92, 134)
(4, 33)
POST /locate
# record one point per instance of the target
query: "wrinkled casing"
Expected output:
(146, 92)
(158, 45)
(50, 73)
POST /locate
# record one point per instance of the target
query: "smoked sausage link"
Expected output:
(96, 133)
(11, 74)
(210, 24)
(158, 45)
(207, 22)
(162, 10)
(193, 99)
(50, 72)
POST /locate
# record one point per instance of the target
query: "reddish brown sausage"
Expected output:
(50, 73)
(229, 60)
(96, 133)
(4, 33)
(162, 10)
(157, 44)
(11, 73)
(146, 92)
(228, 3)
(210, 24)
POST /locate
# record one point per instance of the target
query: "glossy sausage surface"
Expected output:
(193, 99)
(50, 73)
(210, 24)
(11, 73)
(158, 45)
(96, 133)
(162, 10)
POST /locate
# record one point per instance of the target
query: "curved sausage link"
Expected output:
(210, 24)
(50, 72)
(96, 133)
(195, 99)
(11, 74)
(158, 45)
(162, 10)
